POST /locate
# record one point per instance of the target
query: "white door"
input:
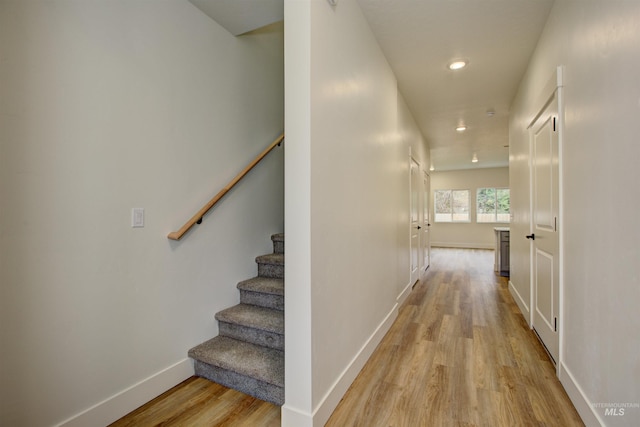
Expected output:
(426, 222)
(544, 227)
(415, 226)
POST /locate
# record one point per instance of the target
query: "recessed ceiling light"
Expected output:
(432, 168)
(458, 64)
(474, 159)
(461, 128)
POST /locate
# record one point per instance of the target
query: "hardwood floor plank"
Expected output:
(198, 402)
(449, 332)
(462, 392)
(436, 401)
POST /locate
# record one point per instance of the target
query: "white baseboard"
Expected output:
(293, 417)
(462, 245)
(524, 307)
(586, 410)
(404, 294)
(120, 404)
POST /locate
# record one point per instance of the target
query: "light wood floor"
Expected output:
(200, 403)
(459, 354)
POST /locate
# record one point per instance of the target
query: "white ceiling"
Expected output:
(497, 37)
(419, 39)
(241, 16)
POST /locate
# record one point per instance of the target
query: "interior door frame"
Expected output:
(414, 276)
(426, 220)
(554, 86)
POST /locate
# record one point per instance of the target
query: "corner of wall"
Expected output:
(293, 417)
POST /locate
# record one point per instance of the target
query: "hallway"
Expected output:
(460, 353)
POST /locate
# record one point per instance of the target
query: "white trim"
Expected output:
(462, 245)
(122, 403)
(522, 305)
(294, 417)
(530, 242)
(405, 293)
(585, 409)
(560, 225)
(413, 278)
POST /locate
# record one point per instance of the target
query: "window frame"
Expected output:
(495, 206)
(452, 213)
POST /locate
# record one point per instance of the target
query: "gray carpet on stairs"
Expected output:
(257, 325)
(251, 369)
(248, 355)
(261, 318)
(247, 359)
(271, 265)
(263, 291)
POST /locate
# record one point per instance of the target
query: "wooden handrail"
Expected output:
(197, 218)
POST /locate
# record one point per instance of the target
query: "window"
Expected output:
(492, 205)
(451, 205)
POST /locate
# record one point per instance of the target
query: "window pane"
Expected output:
(503, 200)
(460, 205)
(442, 205)
(486, 200)
(503, 205)
(486, 205)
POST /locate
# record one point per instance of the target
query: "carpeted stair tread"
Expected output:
(263, 291)
(276, 259)
(278, 243)
(252, 316)
(265, 285)
(262, 363)
(271, 265)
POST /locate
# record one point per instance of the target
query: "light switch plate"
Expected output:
(137, 217)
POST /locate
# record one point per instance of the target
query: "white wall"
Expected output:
(597, 42)
(471, 234)
(106, 106)
(347, 176)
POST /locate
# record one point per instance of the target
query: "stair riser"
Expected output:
(278, 247)
(271, 270)
(251, 335)
(256, 388)
(275, 302)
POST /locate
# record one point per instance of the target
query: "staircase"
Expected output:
(248, 355)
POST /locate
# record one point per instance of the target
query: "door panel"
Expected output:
(415, 221)
(543, 172)
(544, 215)
(426, 222)
(545, 286)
